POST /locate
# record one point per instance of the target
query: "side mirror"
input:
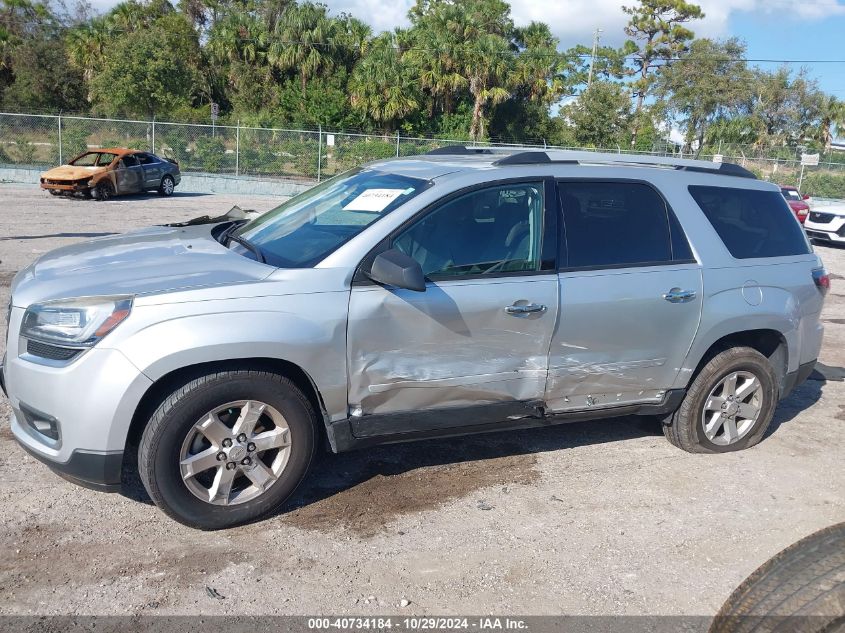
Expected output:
(394, 268)
(805, 197)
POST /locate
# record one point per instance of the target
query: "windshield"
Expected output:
(305, 229)
(791, 194)
(93, 159)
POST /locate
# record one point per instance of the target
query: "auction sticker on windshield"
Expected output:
(374, 200)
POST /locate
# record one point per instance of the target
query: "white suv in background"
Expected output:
(826, 223)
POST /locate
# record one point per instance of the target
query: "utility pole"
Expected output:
(593, 56)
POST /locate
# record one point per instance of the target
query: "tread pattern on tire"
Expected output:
(674, 427)
(148, 445)
(802, 588)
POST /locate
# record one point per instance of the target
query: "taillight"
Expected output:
(822, 280)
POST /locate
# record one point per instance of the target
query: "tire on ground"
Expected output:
(159, 449)
(800, 589)
(684, 428)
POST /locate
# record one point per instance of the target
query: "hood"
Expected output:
(798, 205)
(148, 261)
(71, 172)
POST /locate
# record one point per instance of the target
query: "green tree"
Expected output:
(382, 86)
(43, 78)
(704, 84)
(304, 42)
(832, 119)
(657, 27)
(149, 72)
(601, 114)
(86, 46)
(787, 105)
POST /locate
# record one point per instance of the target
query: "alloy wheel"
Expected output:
(235, 452)
(732, 408)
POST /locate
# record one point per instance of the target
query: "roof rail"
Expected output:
(458, 150)
(521, 156)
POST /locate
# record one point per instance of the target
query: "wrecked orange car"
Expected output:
(103, 173)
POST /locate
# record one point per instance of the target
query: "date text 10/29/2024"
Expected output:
(486, 623)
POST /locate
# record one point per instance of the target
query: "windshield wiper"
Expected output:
(229, 236)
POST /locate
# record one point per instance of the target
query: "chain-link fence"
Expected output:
(38, 141)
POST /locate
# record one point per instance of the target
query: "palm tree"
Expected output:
(238, 37)
(832, 118)
(354, 35)
(538, 65)
(433, 50)
(86, 46)
(381, 85)
(488, 67)
(304, 41)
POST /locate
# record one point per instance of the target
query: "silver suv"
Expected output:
(462, 291)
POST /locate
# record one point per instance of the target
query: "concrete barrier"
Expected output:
(191, 182)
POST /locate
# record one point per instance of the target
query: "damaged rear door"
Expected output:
(479, 334)
(631, 297)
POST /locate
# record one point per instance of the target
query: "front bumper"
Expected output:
(828, 227)
(74, 416)
(68, 186)
(98, 471)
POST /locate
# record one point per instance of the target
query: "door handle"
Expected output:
(525, 309)
(676, 295)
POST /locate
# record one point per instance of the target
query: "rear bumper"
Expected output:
(796, 378)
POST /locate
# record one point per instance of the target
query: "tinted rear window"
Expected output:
(617, 224)
(752, 223)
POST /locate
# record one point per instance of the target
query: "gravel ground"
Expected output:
(600, 517)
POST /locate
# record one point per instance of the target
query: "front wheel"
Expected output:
(728, 406)
(167, 186)
(227, 448)
(102, 191)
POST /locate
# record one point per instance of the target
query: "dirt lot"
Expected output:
(589, 518)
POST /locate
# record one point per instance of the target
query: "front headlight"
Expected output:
(75, 322)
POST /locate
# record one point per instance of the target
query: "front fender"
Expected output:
(183, 335)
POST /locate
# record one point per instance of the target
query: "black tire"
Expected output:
(800, 589)
(102, 191)
(167, 186)
(159, 450)
(684, 428)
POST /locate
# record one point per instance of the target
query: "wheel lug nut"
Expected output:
(250, 447)
(221, 457)
(246, 461)
(227, 442)
(231, 466)
(242, 437)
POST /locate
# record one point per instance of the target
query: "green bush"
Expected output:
(74, 142)
(24, 152)
(210, 153)
(824, 184)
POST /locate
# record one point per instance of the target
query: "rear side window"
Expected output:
(617, 224)
(752, 223)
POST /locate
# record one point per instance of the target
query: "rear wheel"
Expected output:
(167, 186)
(227, 448)
(728, 406)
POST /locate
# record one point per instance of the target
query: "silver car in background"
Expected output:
(462, 291)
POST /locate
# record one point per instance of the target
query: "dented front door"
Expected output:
(480, 332)
(459, 343)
